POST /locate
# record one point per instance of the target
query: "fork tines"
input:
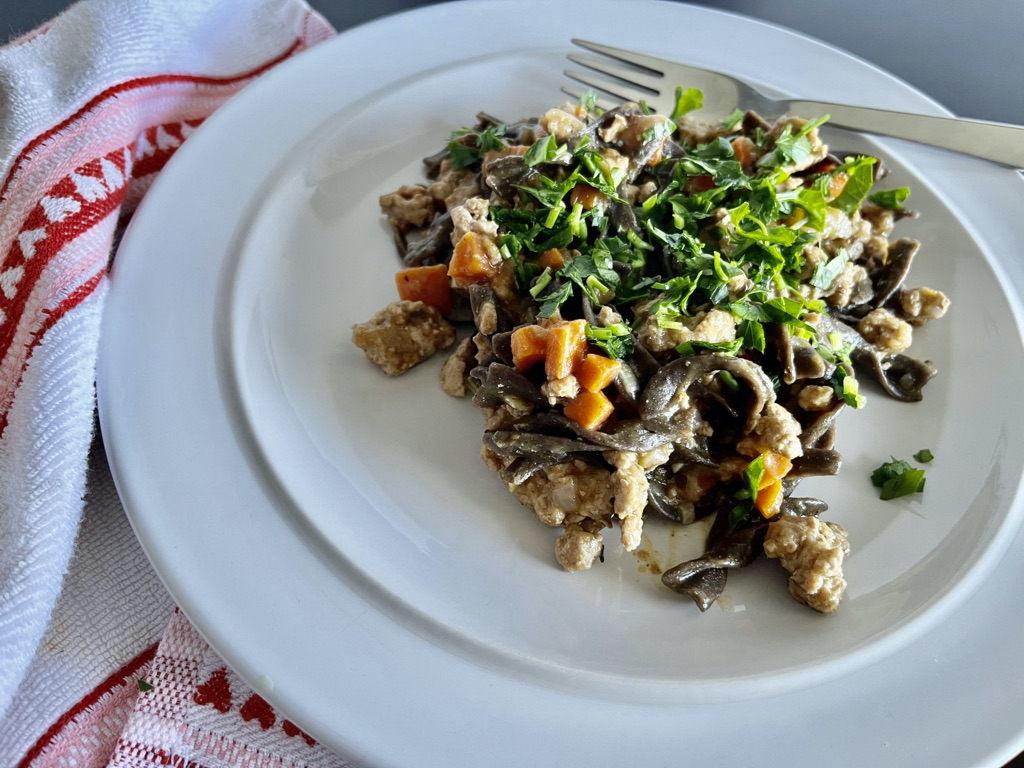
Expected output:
(638, 81)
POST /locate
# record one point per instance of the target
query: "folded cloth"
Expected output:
(97, 667)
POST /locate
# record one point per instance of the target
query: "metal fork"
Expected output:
(654, 81)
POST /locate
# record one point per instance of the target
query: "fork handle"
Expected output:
(998, 142)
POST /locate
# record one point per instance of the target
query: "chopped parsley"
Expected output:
(826, 273)
(923, 456)
(890, 198)
(716, 233)
(466, 147)
(144, 686)
(686, 101)
(860, 175)
(896, 478)
(544, 151)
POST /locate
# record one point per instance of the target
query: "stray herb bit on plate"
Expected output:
(663, 319)
(923, 456)
(897, 478)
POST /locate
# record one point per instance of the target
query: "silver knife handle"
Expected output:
(999, 142)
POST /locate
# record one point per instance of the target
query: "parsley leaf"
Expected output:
(811, 200)
(826, 273)
(544, 151)
(733, 119)
(751, 333)
(923, 456)
(686, 101)
(860, 174)
(594, 277)
(553, 299)
(890, 198)
(468, 147)
(671, 305)
(660, 130)
(144, 686)
(897, 478)
(588, 100)
(462, 156)
(792, 149)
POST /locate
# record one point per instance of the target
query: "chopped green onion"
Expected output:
(542, 282)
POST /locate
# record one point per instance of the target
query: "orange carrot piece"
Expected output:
(743, 148)
(567, 345)
(795, 217)
(838, 183)
(587, 196)
(472, 261)
(769, 499)
(700, 183)
(529, 346)
(776, 467)
(589, 409)
(551, 258)
(596, 372)
(427, 284)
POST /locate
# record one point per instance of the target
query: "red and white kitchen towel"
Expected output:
(97, 667)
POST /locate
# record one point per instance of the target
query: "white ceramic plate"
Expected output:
(336, 538)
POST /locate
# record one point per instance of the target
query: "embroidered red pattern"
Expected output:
(126, 675)
(216, 691)
(69, 209)
(256, 708)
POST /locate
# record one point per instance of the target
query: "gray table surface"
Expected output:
(966, 55)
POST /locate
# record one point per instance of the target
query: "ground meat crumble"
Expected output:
(402, 335)
(813, 552)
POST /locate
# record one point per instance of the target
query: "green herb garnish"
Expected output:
(687, 101)
(890, 198)
(860, 175)
(897, 478)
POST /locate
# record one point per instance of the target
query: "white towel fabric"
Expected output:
(91, 107)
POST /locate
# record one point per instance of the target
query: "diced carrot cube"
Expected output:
(743, 148)
(776, 467)
(822, 166)
(567, 346)
(795, 217)
(596, 372)
(589, 409)
(552, 258)
(475, 260)
(836, 186)
(587, 196)
(529, 346)
(427, 284)
(658, 156)
(769, 499)
(700, 183)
